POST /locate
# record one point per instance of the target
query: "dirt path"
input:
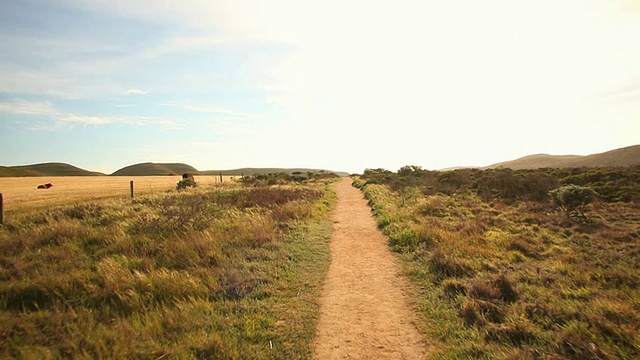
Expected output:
(363, 314)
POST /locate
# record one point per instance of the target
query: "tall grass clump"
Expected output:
(228, 271)
(502, 273)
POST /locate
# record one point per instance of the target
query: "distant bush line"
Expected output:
(611, 184)
(279, 178)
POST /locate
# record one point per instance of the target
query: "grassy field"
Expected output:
(21, 193)
(227, 271)
(502, 276)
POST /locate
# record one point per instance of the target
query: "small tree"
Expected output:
(185, 183)
(573, 199)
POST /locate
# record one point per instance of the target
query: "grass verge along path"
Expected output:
(363, 312)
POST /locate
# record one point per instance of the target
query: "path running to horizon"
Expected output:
(364, 313)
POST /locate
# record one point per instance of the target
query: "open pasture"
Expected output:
(21, 193)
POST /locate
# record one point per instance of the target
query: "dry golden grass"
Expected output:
(216, 272)
(21, 193)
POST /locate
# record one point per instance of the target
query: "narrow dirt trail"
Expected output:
(363, 313)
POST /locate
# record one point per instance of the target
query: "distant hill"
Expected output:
(153, 169)
(258, 171)
(142, 169)
(45, 169)
(623, 157)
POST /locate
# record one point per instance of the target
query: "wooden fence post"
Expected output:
(220, 178)
(131, 187)
(1, 210)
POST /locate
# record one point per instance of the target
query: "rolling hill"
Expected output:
(142, 169)
(623, 157)
(155, 169)
(45, 169)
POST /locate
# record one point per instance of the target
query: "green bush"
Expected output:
(572, 199)
(185, 183)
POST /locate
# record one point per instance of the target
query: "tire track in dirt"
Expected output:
(364, 313)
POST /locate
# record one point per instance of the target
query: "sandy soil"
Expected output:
(364, 313)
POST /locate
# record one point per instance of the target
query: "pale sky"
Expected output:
(341, 85)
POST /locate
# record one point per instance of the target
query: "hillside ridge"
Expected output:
(140, 169)
(622, 157)
(46, 169)
(155, 169)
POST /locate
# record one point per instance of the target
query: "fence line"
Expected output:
(14, 203)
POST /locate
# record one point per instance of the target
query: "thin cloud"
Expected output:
(87, 120)
(23, 107)
(71, 119)
(48, 110)
(136, 92)
(169, 124)
(40, 127)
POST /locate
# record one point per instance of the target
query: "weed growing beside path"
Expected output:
(214, 272)
(516, 279)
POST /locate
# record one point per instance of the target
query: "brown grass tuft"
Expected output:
(576, 342)
(517, 331)
(478, 312)
(444, 266)
(499, 288)
(453, 287)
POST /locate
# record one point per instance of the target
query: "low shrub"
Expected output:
(186, 183)
(573, 199)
